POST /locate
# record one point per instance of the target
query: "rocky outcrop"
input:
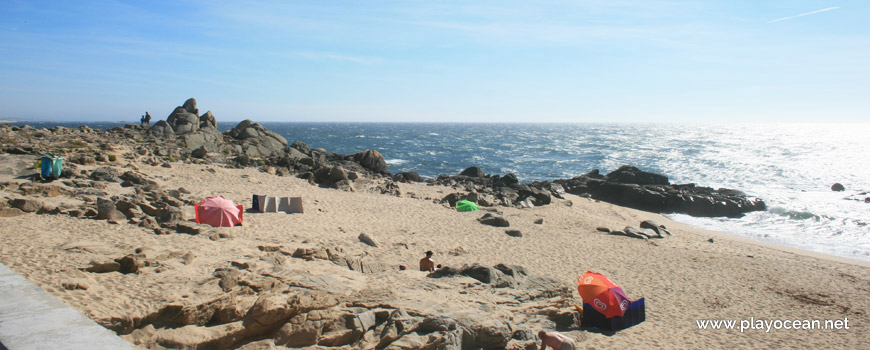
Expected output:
(630, 187)
(162, 130)
(627, 186)
(207, 121)
(184, 119)
(318, 312)
(254, 140)
(407, 176)
(472, 172)
(371, 160)
(193, 131)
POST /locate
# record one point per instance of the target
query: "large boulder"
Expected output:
(630, 187)
(507, 179)
(208, 138)
(494, 220)
(630, 175)
(472, 172)
(106, 210)
(190, 106)
(108, 174)
(26, 205)
(408, 176)
(301, 147)
(257, 141)
(162, 129)
(371, 160)
(207, 121)
(184, 118)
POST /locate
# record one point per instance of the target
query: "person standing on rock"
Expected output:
(147, 120)
(426, 263)
(555, 340)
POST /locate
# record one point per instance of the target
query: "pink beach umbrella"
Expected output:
(218, 212)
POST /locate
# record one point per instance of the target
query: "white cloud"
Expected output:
(805, 14)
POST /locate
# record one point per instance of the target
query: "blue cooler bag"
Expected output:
(51, 166)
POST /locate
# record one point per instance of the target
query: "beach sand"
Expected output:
(684, 278)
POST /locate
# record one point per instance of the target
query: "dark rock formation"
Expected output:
(646, 192)
(494, 220)
(627, 174)
(472, 172)
(661, 230)
(371, 160)
(514, 233)
(838, 187)
(408, 176)
(626, 186)
(200, 152)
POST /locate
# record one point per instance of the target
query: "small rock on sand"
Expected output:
(514, 233)
(365, 238)
(494, 220)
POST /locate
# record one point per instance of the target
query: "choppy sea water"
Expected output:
(790, 166)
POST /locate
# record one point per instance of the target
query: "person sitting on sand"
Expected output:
(426, 263)
(555, 340)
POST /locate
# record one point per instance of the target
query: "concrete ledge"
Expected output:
(31, 318)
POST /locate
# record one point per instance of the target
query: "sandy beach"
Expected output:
(691, 276)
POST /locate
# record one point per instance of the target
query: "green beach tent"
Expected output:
(465, 205)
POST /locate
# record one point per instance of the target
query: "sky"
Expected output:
(438, 61)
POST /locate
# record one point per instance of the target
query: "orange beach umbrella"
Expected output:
(604, 295)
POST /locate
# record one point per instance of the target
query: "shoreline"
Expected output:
(783, 245)
(115, 241)
(408, 224)
(780, 246)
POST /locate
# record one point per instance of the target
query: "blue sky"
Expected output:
(427, 61)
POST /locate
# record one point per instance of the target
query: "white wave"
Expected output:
(395, 161)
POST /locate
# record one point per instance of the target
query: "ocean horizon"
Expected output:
(791, 166)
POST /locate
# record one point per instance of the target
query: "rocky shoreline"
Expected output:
(195, 139)
(262, 297)
(129, 256)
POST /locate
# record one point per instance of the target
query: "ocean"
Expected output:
(790, 166)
